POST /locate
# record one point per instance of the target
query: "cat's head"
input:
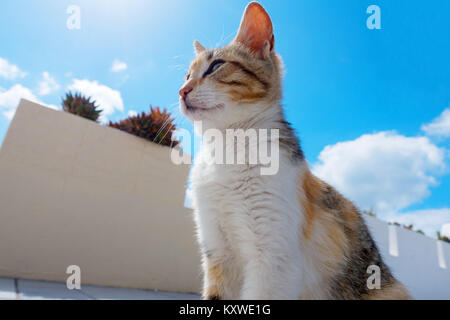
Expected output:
(237, 82)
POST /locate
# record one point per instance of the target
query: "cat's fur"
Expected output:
(284, 236)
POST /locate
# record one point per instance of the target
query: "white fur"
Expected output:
(250, 224)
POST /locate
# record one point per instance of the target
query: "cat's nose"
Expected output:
(184, 91)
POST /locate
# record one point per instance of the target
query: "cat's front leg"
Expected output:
(272, 257)
(213, 288)
(271, 281)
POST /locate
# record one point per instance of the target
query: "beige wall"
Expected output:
(75, 192)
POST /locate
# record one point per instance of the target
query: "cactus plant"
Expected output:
(81, 106)
(156, 126)
(408, 227)
(443, 238)
(370, 212)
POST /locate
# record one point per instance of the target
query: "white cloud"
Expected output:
(9, 114)
(439, 126)
(9, 100)
(10, 71)
(47, 85)
(132, 113)
(107, 99)
(118, 66)
(429, 221)
(386, 172)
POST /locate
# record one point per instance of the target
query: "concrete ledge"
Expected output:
(7, 289)
(19, 289)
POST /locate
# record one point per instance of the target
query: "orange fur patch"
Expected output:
(242, 87)
(213, 279)
(324, 239)
(311, 191)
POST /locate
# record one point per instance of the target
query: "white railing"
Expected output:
(421, 263)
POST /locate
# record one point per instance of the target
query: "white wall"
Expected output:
(422, 264)
(73, 192)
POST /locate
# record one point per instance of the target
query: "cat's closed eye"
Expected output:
(213, 67)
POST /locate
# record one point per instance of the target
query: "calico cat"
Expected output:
(282, 236)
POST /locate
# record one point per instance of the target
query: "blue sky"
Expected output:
(376, 98)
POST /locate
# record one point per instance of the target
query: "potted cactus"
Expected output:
(443, 238)
(156, 126)
(81, 106)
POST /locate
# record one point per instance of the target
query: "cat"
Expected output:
(282, 236)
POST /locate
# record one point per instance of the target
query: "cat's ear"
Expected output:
(256, 30)
(198, 47)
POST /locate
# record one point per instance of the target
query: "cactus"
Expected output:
(81, 106)
(156, 126)
(443, 238)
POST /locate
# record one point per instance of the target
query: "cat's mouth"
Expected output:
(189, 108)
(192, 108)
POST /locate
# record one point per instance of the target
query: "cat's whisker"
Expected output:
(176, 67)
(170, 128)
(223, 39)
(178, 121)
(165, 123)
(218, 44)
(173, 106)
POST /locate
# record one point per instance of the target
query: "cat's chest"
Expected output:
(232, 201)
(222, 193)
(221, 183)
(207, 173)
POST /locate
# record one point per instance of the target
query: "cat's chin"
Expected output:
(198, 113)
